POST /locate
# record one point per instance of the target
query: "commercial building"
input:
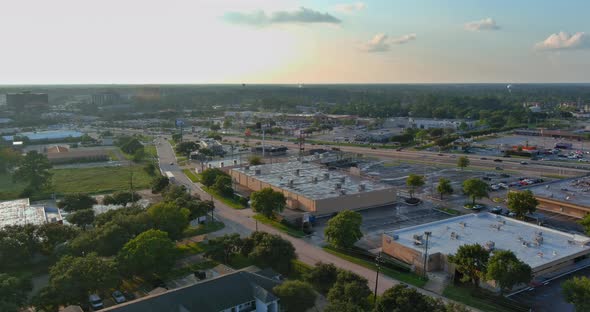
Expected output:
(27, 101)
(313, 188)
(234, 292)
(544, 250)
(212, 145)
(60, 154)
(269, 150)
(570, 197)
(21, 212)
(106, 98)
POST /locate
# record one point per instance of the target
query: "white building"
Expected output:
(21, 212)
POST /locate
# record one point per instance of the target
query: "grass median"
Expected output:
(191, 175)
(406, 277)
(233, 202)
(280, 226)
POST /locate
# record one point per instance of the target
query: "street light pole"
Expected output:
(377, 261)
(427, 233)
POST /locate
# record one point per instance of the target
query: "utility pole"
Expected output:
(427, 233)
(377, 262)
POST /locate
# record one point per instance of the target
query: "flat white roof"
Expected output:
(509, 234)
(20, 212)
(311, 180)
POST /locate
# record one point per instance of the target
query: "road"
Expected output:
(533, 168)
(242, 222)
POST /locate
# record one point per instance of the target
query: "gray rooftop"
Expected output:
(575, 191)
(311, 180)
(212, 295)
(506, 233)
(20, 212)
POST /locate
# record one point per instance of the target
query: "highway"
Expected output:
(241, 222)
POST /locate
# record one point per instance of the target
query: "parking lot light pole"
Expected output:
(377, 262)
(427, 233)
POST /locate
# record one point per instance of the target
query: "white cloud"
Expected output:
(350, 7)
(563, 41)
(484, 24)
(382, 43)
(299, 16)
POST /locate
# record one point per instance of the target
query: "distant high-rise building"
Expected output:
(105, 98)
(25, 101)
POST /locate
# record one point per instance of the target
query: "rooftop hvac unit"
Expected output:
(338, 186)
(395, 237)
(342, 179)
(221, 165)
(326, 176)
(257, 172)
(314, 179)
(362, 187)
(247, 167)
(297, 171)
(291, 183)
(490, 245)
(342, 192)
(235, 162)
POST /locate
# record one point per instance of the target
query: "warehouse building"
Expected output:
(313, 188)
(545, 250)
(21, 212)
(569, 197)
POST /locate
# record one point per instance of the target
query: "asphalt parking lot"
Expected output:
(379, 220)
(548, 298)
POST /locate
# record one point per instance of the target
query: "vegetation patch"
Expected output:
(406, 277)
(191, 175)
(233, 202)
(480, 300)
(99, 180)
(281, 226)
(204, 228)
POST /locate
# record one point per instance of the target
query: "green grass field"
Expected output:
(463, 295)
(279, 226)
(203, 229)
(98, 180)
(9, 189)
(406, 277)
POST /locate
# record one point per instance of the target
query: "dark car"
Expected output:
(498, 160)
(483, 158)
(499, 168)
(496, 210)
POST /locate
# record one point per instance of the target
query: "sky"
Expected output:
(294, 41)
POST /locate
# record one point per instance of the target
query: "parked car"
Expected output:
(498, 160)
(118, 296)
(95, 302)
(524, 163)
(483, 158)
(499, 168)
(496, 210)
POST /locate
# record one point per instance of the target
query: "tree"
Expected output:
(52, 234)
(350, 290)
(522, 203)
(121, 198)
(268, 201)
(209, 176)
(74, 202)
(185, 148)
(129, 145)
(344, 229)
(295, 295)
(401, 298)
(34, 169)
(139, 155)
(150, 253)
(577, 292)
(18, 243)
(223, 186)
(224, 247)
(462, 162)
(169, 218)
(215, 127)
(13, 292)
(322, 276)
(271, 251)
(159, 183)
(507, 270)
(9, 158)
(255, 160)
(585, 222)
(475, 188)
(471, 261)
(72, 279)
(444, 187)
(81, 217)
(414, 181)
